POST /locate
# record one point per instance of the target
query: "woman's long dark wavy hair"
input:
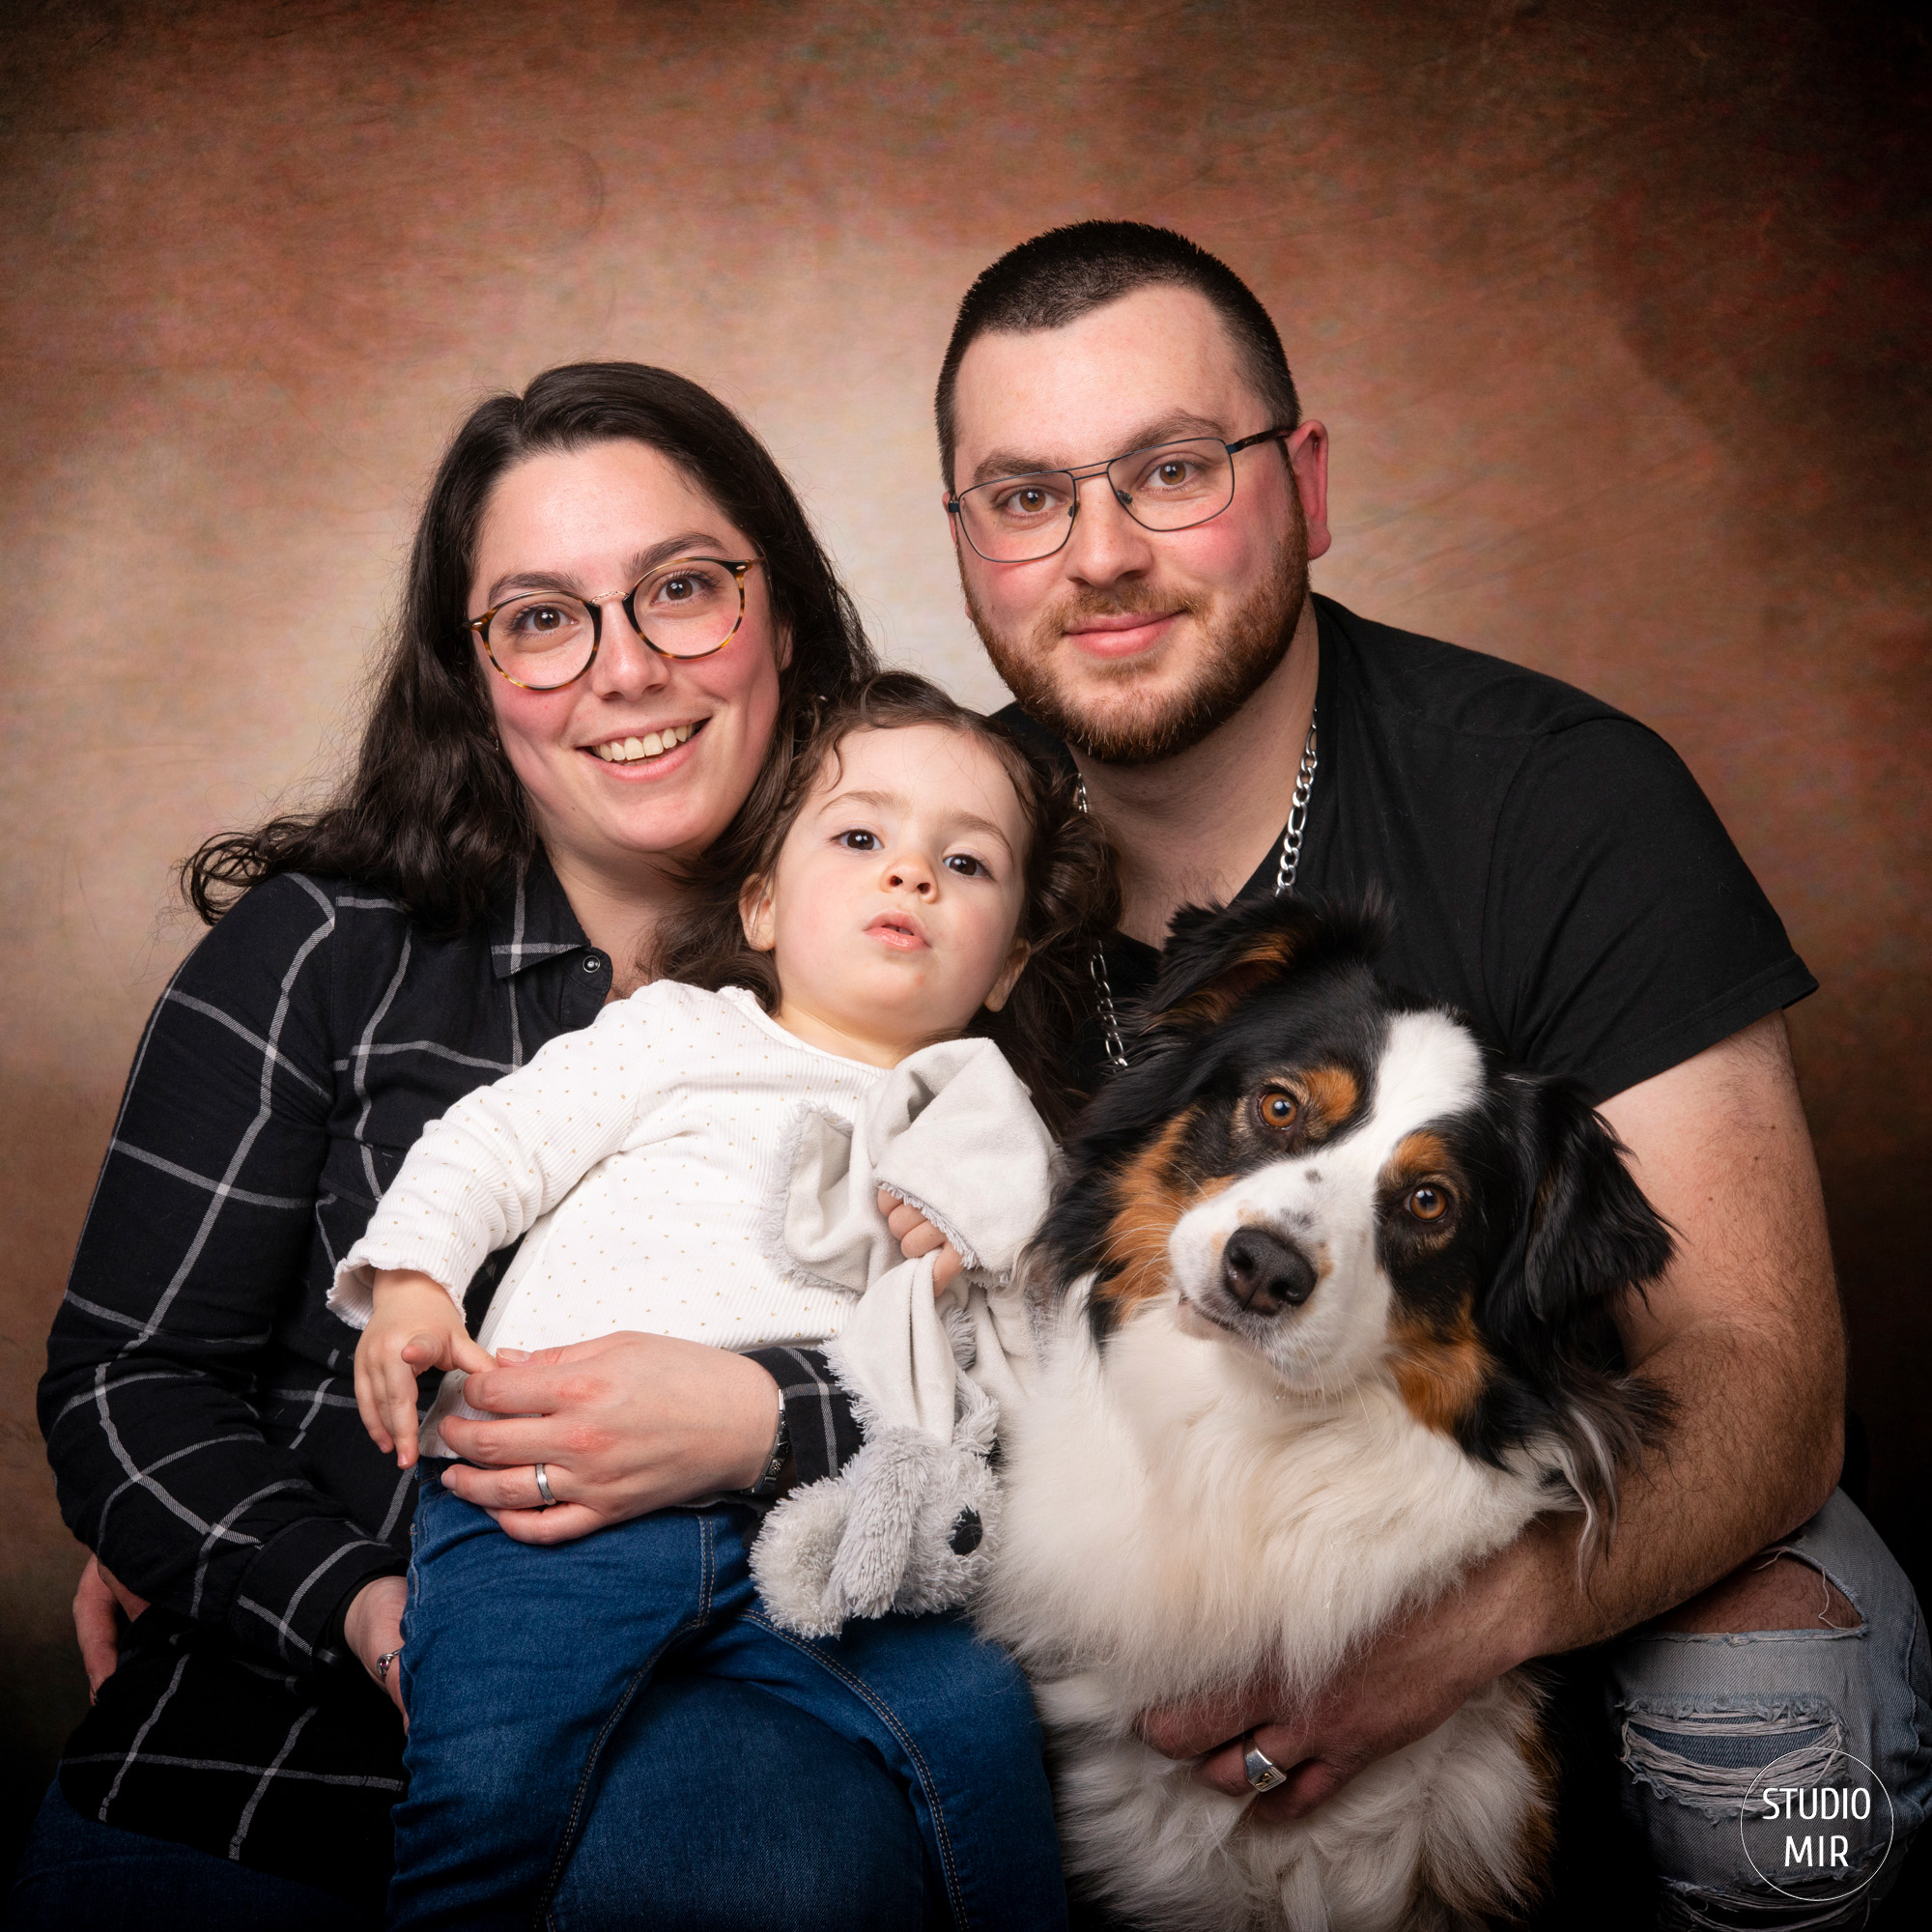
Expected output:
(431, 812)
(1070, 900)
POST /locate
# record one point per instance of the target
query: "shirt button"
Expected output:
(593, 962)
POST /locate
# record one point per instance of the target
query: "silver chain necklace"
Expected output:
(1284, 878)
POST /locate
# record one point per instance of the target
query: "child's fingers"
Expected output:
(945, 1268)
(399, 1406)
(902, 1217)
(909, 1228)
(368, 1399)
(923, 1240)
(467, 1355)
(427, 1348)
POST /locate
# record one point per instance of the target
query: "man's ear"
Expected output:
(1307, 453)
(758, 912)
(1009, 977)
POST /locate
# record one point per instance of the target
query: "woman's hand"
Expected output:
(374, 1629)
(916, 1235)
(102, 1601)
(622, 1425)
(416, 1327)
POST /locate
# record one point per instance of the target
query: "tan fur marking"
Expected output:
(1151, 1195)
(1333, 1092)
(1417, 1155)
(1212, 1003)
(1537, 1848)
(1441, 1373)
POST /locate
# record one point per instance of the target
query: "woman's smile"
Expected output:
(647, 747)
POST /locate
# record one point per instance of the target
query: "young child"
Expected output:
(705, 1163)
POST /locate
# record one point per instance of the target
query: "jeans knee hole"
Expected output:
(1711, 1761)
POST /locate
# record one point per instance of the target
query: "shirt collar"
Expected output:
(531, 919)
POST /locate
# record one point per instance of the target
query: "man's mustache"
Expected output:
(1083, 607)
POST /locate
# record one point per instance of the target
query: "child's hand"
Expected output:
(916, 1235)
(416, 1327)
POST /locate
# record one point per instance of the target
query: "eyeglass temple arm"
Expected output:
(1259, 435)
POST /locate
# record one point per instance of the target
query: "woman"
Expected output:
(503, 860)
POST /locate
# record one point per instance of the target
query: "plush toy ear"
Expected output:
(1589, 1236)
(1217, 956)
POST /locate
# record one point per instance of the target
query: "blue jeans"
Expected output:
(826, 1843)
(1697, 1720)
(522, 1664)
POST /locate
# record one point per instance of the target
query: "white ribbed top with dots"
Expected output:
(636, 1158)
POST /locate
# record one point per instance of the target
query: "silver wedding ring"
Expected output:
(1263, 1773)
(542, 1487)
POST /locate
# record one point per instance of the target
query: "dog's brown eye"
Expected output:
(1278, 1108)
(1428, 1203)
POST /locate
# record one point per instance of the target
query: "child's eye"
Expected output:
(857, 842)
(965, 865)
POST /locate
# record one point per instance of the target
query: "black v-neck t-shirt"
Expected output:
(1553, 869)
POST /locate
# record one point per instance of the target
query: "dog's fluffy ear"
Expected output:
(1589, 1236)
(1217, 956)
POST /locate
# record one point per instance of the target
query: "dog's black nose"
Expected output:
(1263, 1273)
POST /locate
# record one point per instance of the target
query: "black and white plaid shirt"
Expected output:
(199, 1406)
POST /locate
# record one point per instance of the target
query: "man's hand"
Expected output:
(416, 1327)
(100, 1604)
(374, 1628)
(622, 1425)
(916, 1235)
(1411, 1680)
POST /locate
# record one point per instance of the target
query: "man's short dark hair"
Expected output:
(1060, 276)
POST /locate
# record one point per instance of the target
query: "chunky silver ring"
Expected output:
(1263, 1773)
(383, 1662)
(542, 1487)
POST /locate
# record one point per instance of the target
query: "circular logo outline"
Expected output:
(1813, 1898)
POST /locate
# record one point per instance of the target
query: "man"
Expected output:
(1555, 872)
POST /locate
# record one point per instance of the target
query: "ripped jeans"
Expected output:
(1699, 1722)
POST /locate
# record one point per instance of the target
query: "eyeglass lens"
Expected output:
(1171, 487)
(687, 609)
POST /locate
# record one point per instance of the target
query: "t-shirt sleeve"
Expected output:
(1623, 932)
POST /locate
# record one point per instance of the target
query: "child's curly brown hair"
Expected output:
(1070, 898)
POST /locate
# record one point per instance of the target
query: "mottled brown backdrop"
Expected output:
(1617, 312)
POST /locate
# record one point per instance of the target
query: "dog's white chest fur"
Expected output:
(1176, 1524)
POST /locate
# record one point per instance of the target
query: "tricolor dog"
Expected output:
(1328, 1292)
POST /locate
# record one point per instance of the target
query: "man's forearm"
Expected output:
(1752, 1451)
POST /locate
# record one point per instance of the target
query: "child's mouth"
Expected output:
(898, 930)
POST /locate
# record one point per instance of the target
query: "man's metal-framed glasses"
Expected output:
(689, 608)
(1171, 486)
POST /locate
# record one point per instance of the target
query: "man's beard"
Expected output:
(1142, 728)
